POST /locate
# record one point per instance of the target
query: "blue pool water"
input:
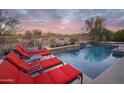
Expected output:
(91, 60)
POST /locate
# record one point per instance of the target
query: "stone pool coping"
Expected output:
(65, 48)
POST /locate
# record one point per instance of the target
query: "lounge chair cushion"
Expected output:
(22, 48)
(41, 53)
(58, 76)
(48, 62)
(43, 78)
(55, 60)
(22, 65)
(19, 63)
(8, 73)
(70, 71)
(24, 78)
(36, 51)
(23, 53)
(25, 50)
(11, 75)
(27, 53)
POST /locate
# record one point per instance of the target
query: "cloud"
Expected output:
(66, 20)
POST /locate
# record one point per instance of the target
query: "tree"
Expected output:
(37, 33)
(119, 35)
(96, 28)
(107, 35)
(7, 23)
(28, 34)
(89, 24)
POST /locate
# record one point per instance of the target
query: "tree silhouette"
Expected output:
(7, 23)
(96, 28)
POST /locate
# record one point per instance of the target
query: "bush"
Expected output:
(37, 33)
(52, 42)
(65, 44)
(6, 51)
(73, 40)
(52, 46)
(28, 35)
(119, 35)
(59, 45)
(103, 35)
(107, 35)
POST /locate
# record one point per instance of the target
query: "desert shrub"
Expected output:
(5, 51)
(73, 40)
(52, 42)
(37, 33)
(65, 44)
(28, 35)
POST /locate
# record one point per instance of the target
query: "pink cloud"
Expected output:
(62, 28)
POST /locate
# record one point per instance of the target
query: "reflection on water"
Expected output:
(96, 53)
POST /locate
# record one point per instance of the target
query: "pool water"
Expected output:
(92, 60)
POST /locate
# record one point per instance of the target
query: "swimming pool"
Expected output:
(91, 60)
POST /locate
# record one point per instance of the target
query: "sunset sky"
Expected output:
(65, 21)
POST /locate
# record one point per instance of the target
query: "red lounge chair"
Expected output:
(61, 75)
(33, 51)
(24, 52)
(34, 66)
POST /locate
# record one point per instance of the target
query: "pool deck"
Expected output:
(113, 75)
